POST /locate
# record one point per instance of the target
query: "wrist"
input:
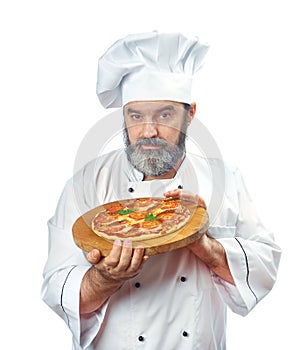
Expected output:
(208, 250)
(213, 255)
(102, 279)
(95, 290)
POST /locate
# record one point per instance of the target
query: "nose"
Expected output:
(149, 129)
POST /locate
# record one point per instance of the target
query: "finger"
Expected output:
(94, 256)
(184, 195)
(201, 202)
(126, 255)
(137, 259)
(187, 196)
(113, 259)
(173, 193)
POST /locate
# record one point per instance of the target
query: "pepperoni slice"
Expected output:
(146, 202)
(143, 201)
(167, 215)
(171, 204)
(115, 208)
(138, 215)
(150, 223)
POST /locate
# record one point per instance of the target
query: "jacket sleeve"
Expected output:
(252, 255)
(64, 270)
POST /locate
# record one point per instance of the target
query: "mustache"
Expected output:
(155, 141)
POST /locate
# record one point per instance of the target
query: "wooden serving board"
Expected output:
(87, 239)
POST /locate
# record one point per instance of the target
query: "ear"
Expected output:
(192, 112)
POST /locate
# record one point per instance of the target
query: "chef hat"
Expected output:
(149, 66)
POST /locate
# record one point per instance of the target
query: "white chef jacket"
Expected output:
(175, 302)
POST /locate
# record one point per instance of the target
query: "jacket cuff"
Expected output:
(240, 298)
(85, 328)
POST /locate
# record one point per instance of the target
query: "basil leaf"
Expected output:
(125, 211)
(150, 217)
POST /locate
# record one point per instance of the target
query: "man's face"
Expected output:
(155, 135)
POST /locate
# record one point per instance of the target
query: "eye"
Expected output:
(135, 116)
(165, 115)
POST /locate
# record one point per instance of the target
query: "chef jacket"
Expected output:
(175, 302)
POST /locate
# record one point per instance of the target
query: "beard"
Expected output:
(154, 162)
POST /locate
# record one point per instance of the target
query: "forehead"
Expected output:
(152, 106)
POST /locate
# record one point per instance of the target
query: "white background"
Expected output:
(247, 95)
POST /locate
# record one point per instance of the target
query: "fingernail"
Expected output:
(140, 250)
(94, 254)
(118, 242)
(128, 243)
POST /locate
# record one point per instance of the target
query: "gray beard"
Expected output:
(154, 162)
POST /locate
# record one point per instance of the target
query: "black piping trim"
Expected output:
(61, 295)
(248, 271)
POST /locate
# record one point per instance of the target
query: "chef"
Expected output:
(174, 300)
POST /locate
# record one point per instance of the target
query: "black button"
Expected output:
(180, 187)
(137, 285)
(185, 334)
(141, 338)
(130, 189)
(182, 279)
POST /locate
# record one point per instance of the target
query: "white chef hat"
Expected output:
(149, 66)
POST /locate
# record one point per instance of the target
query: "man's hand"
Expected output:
(187, 196)
(211, 252)
(121, 264)
(108, 274)
(206, 248)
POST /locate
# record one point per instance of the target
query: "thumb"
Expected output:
(94, 256)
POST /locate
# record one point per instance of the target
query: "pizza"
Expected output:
(140, 218)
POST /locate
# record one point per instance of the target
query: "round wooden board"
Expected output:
(86, 239)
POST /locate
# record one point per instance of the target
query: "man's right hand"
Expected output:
(108, 274)
(121, 264)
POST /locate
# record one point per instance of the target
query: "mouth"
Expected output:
(150, 144)
(150, 147)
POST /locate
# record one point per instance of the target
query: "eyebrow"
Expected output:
(131, 110)
(167, 107)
